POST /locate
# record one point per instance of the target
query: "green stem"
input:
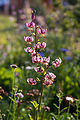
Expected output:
(11, 93)
(18, 110)
(40, 95)
(59, 109)
(43, 115)
(68, 107)
(59, 105)
(77, 105)
(14, 95)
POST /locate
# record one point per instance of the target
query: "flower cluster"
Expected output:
(34, 49)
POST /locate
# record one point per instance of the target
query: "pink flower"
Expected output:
(42, 31)
(31, 81)
(49, 79)
(50, 76)
(29, 50)
(30, 24)
(48, 82)
(57, 62)
(45, 60)
(28, 39)
(37, 59)
(41, 45)
(34, 53)
(39, 69)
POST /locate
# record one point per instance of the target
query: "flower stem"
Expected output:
(18, 110)
(11, 93)
(35, 34)
(43, 115)
(68, 107)
(14, 90)
(77, 105)
(40, 95)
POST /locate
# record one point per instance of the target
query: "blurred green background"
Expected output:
(62, 19)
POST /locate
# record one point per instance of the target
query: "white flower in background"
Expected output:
(68, 98)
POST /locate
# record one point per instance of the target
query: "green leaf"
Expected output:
(30, 117)
(63, 109)
(75, 114)
(56, 106)
(34, 103)
(0, 116)
(55, 116)
(12, 99)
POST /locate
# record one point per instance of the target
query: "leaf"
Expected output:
(30, 117)
(56, 106)
(11, 99)
(75, 114)
(55, 116)
(0, 116)
(63, 109)
(34, 103)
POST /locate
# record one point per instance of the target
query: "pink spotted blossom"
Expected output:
(33, 53)
(45, 60)
(39, 69)
(37, 59)
(29, 50)
(42, 31)
(57, 62)
(49, 79)
(28, 39)
(50, 76)
(31, 81)
(30, 24)
(47, 82)
(41, 45)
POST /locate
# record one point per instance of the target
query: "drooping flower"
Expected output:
(13, 66)
(31, 81)
(30, 24)
(45, 60)
(28, 39)
(69, 98)
(34, 53)
(48, 82)
(19, 95)
(49, 79)
(29, 50)
(57, 62)
(50, 76)
(39, 69)
(41, 45)
(37, 59)
(42, 31)
(46, 108)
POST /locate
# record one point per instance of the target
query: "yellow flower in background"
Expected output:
(1, 97)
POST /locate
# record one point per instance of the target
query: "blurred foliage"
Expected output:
(63, 32)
